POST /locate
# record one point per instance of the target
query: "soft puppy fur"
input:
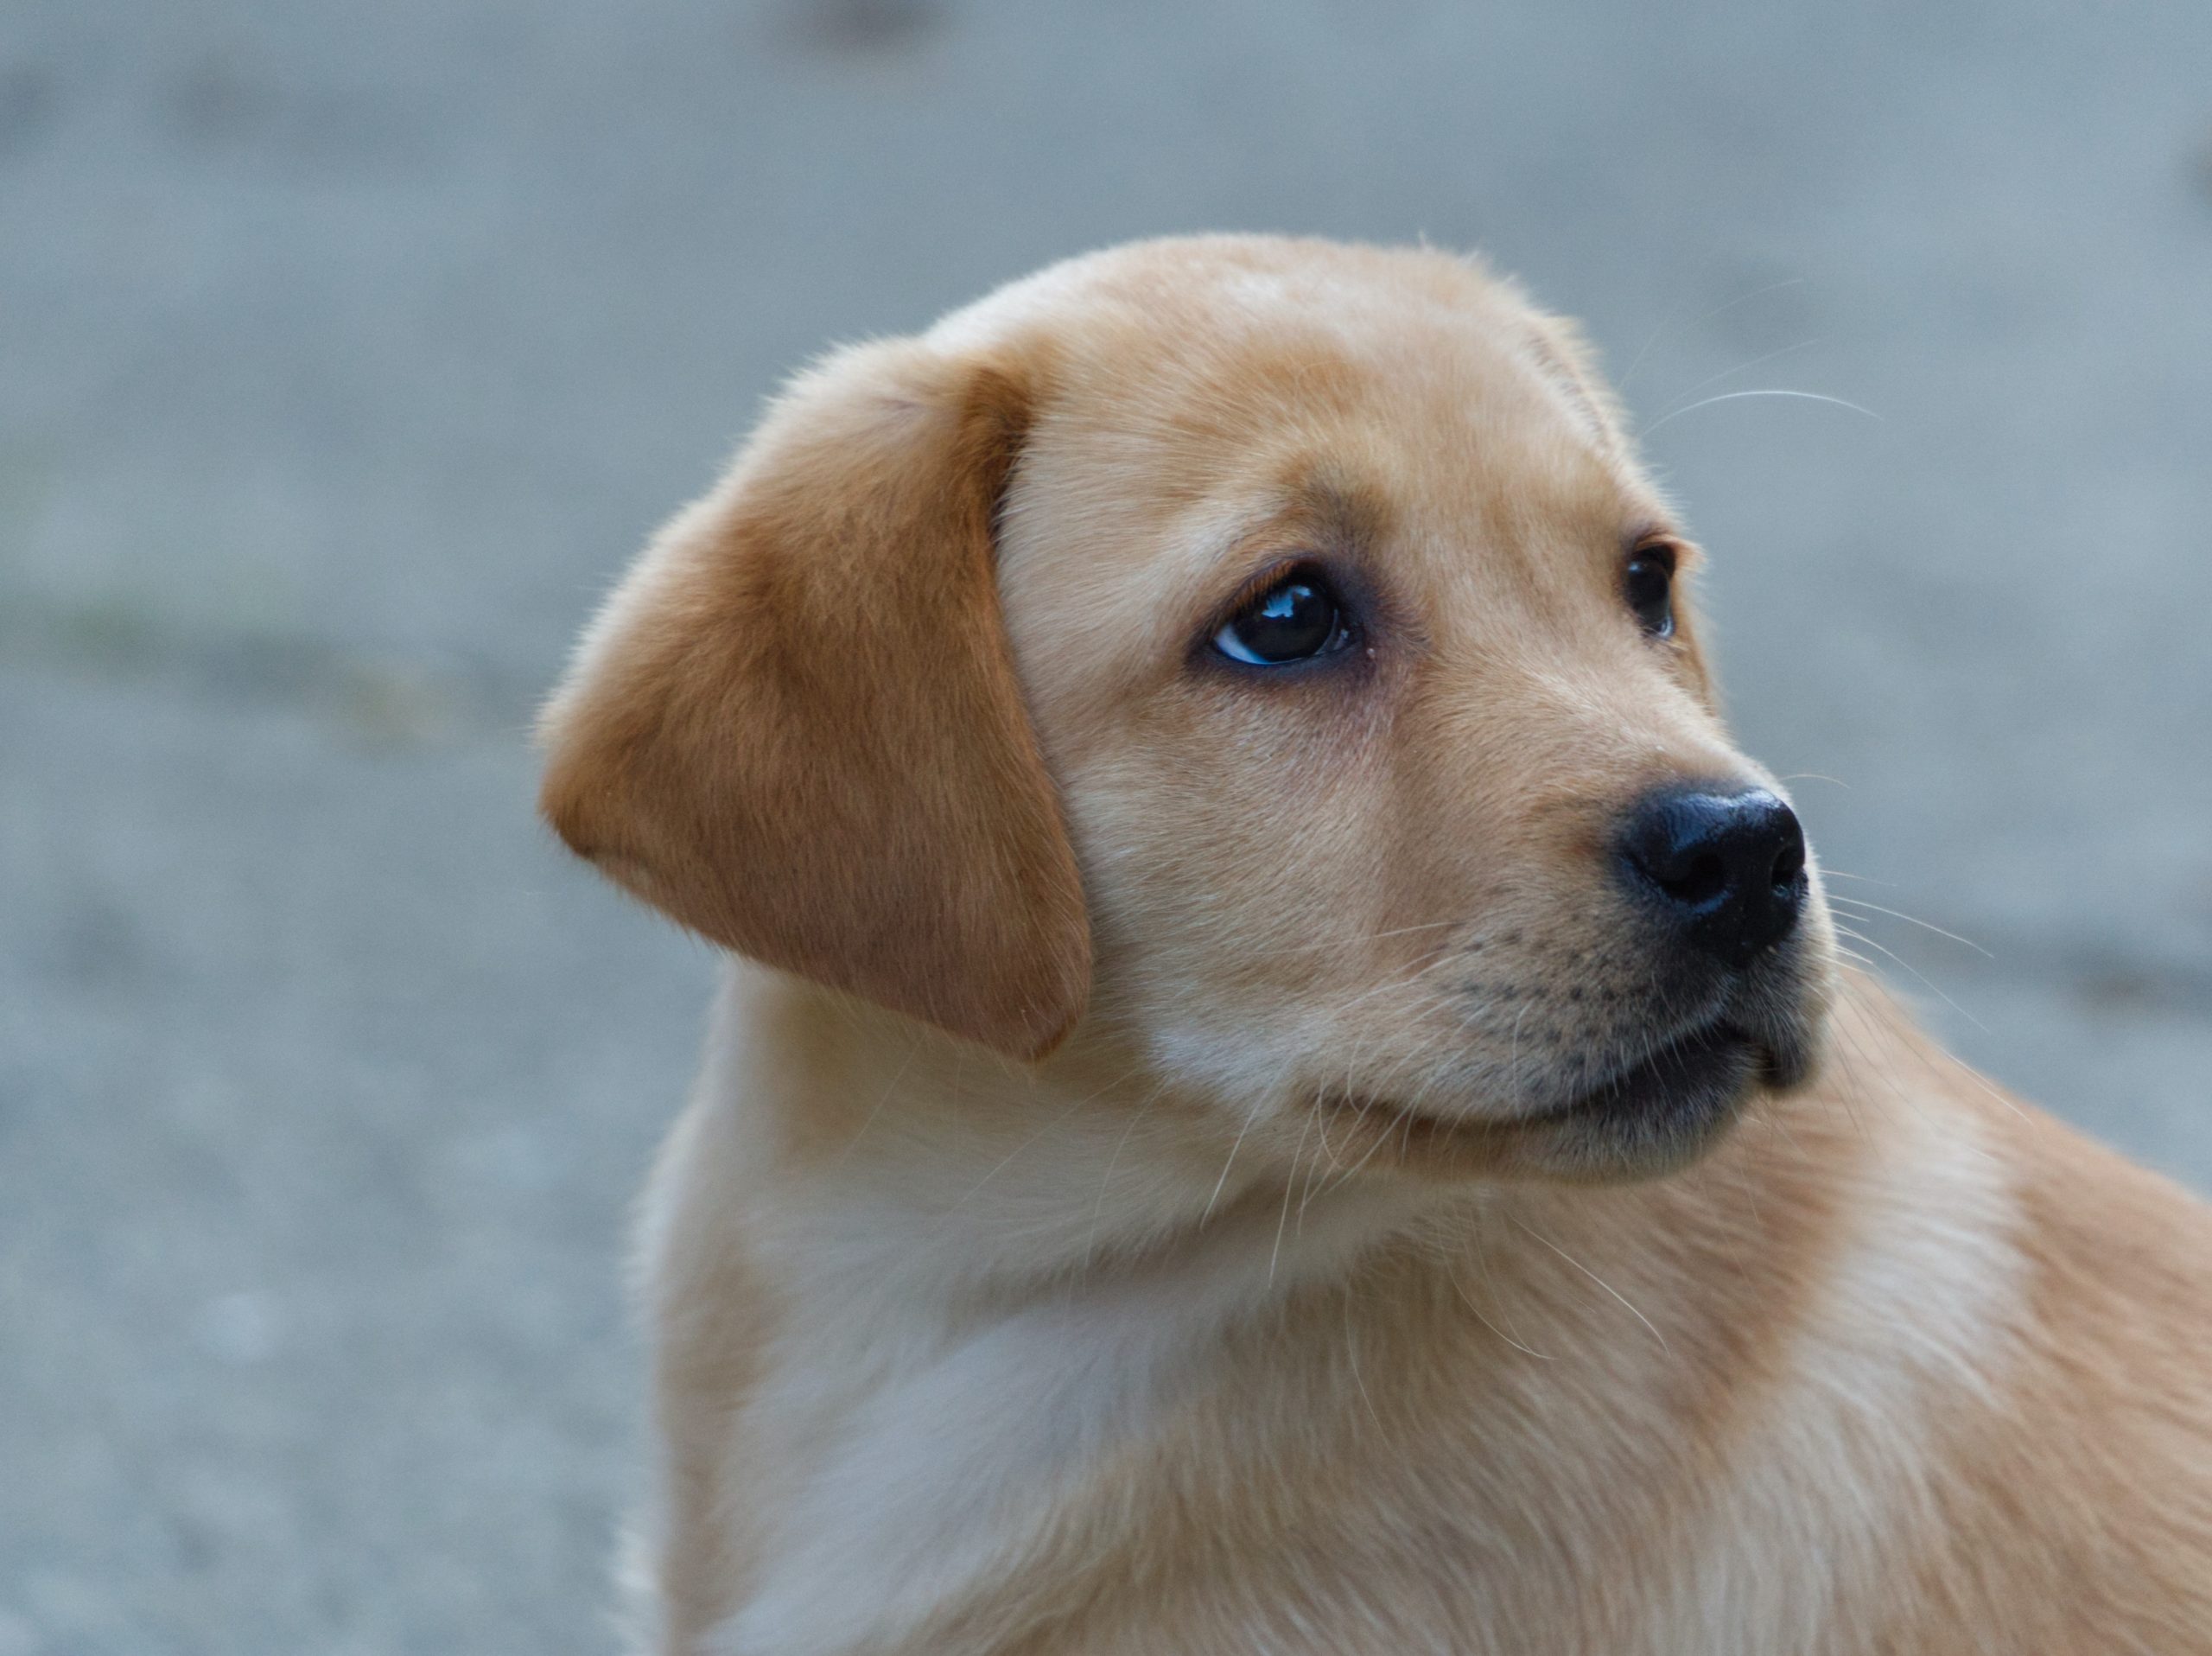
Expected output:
(1208, 1153)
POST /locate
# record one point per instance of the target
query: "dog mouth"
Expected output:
(1715, 1061)
(1653, 1112)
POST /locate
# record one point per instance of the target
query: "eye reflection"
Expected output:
(1298, 619)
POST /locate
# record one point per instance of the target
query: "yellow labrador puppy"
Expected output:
(1275, 1100)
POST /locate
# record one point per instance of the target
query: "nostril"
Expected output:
(1727, 868)
(1788, 866)
(1697, 882)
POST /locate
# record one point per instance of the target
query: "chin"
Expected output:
(1651, 1117)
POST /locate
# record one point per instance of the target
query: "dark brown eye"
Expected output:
(1648, 586)
(1297, 619)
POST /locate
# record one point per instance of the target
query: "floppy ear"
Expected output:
(796, 727)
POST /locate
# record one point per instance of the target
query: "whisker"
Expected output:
(1741, 367)
(1351, 1356)
(868, 1120)
(1937, 1073)
(1251, 1117)
(1738, 396)
(1313, 1171)
(1482, 1263)
(1106, 1179)
(1863, 1065)
(1366, 1156)
(1290, 1183)
(1468, 1300)
(1600, 1280)
(1914, 920)
(1043, 1132)
(1861, 937)
(1660, 332)
(1387, 986)
(1385, 1082)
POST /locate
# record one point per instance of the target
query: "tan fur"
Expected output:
(800, 733)
(1142, 1213)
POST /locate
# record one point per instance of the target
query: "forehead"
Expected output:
(1199, 392)
(1235, 365)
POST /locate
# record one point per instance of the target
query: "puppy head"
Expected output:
(1288, 627)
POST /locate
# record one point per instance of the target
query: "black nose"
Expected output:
(1728, 869)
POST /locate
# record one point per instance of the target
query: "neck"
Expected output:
(993, 1286)
(897, 1161)
(899, 1157)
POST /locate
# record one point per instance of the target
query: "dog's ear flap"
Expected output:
(796, 727)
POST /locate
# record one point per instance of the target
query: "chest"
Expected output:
(1053, 1483)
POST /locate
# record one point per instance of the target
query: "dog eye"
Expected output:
(1297, 619)
(1649, 585)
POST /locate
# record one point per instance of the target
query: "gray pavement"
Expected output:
(347, 351)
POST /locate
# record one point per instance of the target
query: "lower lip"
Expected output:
(1652, 1113)
(1689, 1076)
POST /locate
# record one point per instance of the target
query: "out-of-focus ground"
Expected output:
(347, 351)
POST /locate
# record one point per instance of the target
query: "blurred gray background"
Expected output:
(347, 351)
